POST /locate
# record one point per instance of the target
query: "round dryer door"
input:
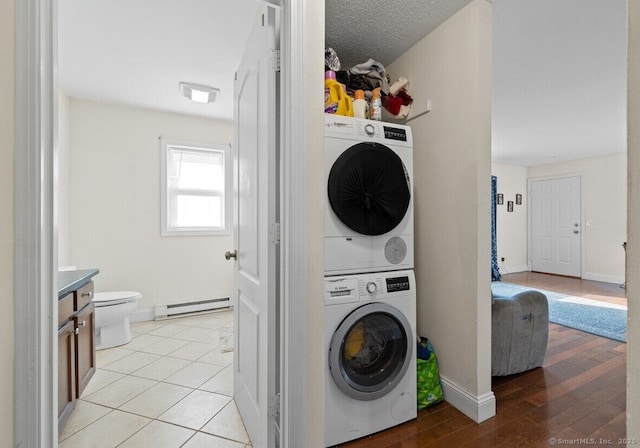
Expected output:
(369, 188)
(370, 351)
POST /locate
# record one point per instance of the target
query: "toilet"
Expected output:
(112, 317)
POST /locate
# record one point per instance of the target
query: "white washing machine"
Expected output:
(368, 204)
(370, 353)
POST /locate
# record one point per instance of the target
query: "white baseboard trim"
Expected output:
(478, 409)
(514, 269)
(586, 275)
(603, 278)
(142, 315)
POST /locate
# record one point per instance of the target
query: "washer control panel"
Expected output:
(385, 285)
(396, 284)
(367, 287)
(371, 287)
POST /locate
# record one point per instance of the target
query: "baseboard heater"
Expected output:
(183, 309)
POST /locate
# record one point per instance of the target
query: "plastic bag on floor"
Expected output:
(429, 386)
(226, 339)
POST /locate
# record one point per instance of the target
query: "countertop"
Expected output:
(72, 280)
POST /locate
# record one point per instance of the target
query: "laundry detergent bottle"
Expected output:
(336, 100)
(359, 105)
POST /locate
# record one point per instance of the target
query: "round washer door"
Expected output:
(370, 351)
(369, 188)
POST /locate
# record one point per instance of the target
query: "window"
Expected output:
(196, 180)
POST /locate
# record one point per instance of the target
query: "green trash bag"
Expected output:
(429, 387)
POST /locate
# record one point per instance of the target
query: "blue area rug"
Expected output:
(599, 318)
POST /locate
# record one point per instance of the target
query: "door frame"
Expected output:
(35, 255)
(294, 221)
(582, 219)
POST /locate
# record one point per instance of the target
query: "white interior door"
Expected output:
(556, 225)
(256, 215)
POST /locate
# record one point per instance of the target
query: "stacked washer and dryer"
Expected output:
(370, 295)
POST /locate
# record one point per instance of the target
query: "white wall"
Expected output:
(633, 281)
(7, 67)
(452, 189)
(114, 205)
(511, 227)
(604, 189)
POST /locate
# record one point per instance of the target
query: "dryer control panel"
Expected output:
(368, 287)
(368, 130)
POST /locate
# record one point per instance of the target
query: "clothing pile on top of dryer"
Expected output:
(363, 90)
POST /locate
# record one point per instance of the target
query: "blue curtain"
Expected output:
(495, 270)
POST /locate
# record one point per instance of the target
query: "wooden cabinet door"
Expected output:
(66, 372)
(65, 309)
(85, 347)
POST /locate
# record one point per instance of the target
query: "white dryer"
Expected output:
(369, 353)
(368, 203)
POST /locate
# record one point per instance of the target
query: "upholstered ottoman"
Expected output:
(519, 332)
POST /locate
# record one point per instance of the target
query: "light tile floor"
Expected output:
(170, 387)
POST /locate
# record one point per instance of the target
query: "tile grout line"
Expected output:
(189, 362)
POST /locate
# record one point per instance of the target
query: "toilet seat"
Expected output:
(115, 297)
(112, 312)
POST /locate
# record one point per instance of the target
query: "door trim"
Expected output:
(36, 248)
(294, 224)
(35, 255)
(302, 224)
(582, 220)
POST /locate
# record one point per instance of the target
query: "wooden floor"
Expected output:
(579, 394)
(606, 292)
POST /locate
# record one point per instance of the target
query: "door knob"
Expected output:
(229, 255)
(576, 231)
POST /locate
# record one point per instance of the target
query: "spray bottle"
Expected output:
(375, 112)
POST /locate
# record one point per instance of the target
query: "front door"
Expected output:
(256, 214)
(556, 233)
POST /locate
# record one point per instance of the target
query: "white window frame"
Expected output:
(227, 196)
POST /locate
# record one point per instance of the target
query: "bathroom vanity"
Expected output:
(76, 340)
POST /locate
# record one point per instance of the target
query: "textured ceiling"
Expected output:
(381, 29)
(559, 68)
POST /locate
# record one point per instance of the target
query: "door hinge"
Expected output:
(275, 60)
(274, 233)
(274, 406)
